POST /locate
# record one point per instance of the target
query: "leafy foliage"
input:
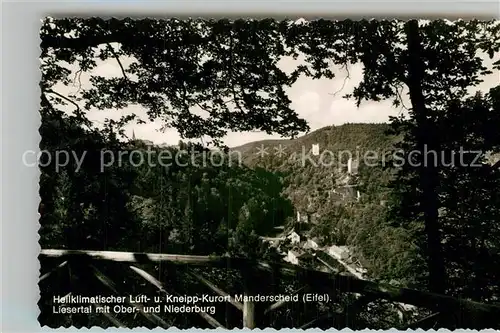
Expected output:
(431, 226)
(226, 69)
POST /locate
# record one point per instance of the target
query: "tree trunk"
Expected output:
(426, 141)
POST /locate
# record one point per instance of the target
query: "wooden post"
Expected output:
(249, 314)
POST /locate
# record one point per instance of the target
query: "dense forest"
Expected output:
(429, 226)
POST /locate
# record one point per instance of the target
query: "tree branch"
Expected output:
(348, 77)
(129, 37)
(231, 77)
(118, 60)
(78, 75)
(495, 166)
(78, 110)
(64, 97)
(81, 43)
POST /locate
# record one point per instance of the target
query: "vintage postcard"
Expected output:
(269, 173)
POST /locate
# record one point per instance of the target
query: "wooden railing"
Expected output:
(443, 311)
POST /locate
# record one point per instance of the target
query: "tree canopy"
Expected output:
(209, 77)
(227, 69)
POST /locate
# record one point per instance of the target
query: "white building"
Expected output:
(310, 244)
(361, 270)
(294, 237)
(164, 145)
(352, 167)
(315, 149)
(339, 252)
(292, 257)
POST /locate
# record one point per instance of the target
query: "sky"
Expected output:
(319, 102)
